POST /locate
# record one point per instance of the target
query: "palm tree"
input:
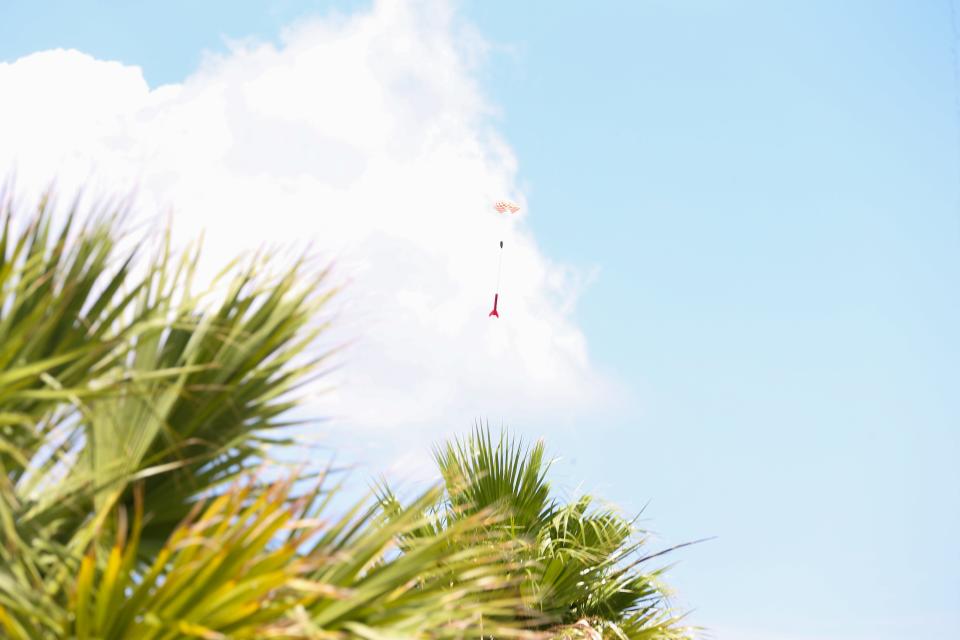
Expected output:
(134, 415)
(583, 572)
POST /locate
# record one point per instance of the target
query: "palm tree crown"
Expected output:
(582, 570)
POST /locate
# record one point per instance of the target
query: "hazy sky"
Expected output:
(735, 285)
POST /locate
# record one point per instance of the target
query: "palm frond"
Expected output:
(505, 474)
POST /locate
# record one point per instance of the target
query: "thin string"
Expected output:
(499, 268)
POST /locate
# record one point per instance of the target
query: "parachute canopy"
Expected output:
(506, 206)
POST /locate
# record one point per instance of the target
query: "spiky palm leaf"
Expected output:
(146, 379)
(60, 320)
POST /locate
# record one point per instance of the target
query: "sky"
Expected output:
(731, 294)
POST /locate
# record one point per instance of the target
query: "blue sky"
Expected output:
(770, 195)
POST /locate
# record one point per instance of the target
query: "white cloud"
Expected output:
(370, 136)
